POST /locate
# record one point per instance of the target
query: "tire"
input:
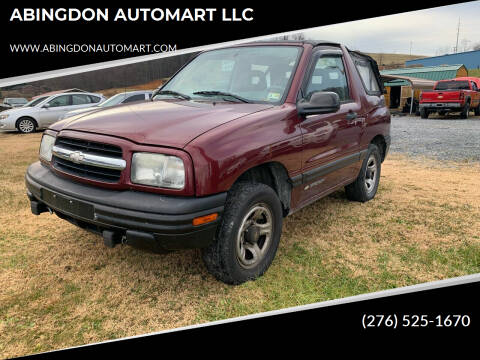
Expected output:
(240, 252)
(26, 125)
(423, 113)
(365, 186)
(465, 111)
(477, 110)
(442, 113)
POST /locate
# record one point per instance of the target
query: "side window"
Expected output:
(80, 99)
(328, 74)
(94, 99)
(133, 98)
(63, 100)
(474, 86)
(368, 77)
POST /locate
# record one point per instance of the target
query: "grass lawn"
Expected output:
(62, 287)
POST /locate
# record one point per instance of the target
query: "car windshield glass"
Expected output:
(453, 85)
(35, 101)
(114, 100)
(253, 74)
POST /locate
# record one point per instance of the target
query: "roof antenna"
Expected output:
(458, 32)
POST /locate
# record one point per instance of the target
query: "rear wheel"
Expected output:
(365, 186)
(477, 110)
(248, 236)
(26, 125)
(465, 111)
(423, 113)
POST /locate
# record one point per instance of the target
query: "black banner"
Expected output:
(448, 314)
(53, 35)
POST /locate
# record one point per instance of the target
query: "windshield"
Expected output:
(453, 85)
(114, 100)
(254, 74)
(35, 101)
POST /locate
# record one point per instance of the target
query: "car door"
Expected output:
(330, 153)
(53, 109)
(475, 95)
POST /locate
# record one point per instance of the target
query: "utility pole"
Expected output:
(458, 32)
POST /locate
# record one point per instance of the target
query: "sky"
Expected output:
(429, 32)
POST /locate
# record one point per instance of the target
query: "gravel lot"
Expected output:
(440, 137)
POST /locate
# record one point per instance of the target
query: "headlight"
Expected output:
(158, 170)
(3, 117)
(46, 147)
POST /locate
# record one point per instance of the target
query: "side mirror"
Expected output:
(323, 102)
(46, 106)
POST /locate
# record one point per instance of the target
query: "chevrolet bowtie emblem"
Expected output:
(76, 157)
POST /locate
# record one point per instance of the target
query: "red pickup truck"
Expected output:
(236, 140)
(461, 94)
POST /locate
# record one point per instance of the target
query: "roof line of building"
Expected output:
(440, 56)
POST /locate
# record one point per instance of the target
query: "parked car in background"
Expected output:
(43, 112)
(9, 103)
(218, 161)
(14, 102)
(461, 95)
(121, 98)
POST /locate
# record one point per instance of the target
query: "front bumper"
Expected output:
(7, 125)
(145, 220)
(442, 106)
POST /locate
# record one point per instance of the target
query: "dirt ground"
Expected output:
(62, 287)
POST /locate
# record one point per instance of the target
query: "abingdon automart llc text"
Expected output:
(131, 14)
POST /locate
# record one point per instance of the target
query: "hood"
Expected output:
(79, 111)
(165, 123)
(82, 110)
(18, 111)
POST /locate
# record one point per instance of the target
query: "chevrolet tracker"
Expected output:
(236, 140)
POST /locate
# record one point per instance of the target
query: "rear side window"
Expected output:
(133, 98)
(80, 99)
(94, 99)
(328, 74)
(368, 77)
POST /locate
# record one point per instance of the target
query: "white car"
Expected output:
(121, 98)
(40, 113)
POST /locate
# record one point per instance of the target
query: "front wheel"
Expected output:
(477, 110)
(248, 236)
(26, 126)
(365, 185)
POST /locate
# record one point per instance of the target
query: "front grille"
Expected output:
(88, 171)
(90, 147)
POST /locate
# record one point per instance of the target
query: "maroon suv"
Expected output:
(236, 140)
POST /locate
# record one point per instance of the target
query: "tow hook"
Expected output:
(111, 238)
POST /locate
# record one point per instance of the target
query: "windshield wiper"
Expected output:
(221, 93)
(171, 92)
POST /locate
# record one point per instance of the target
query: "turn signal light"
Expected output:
(205, 219)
